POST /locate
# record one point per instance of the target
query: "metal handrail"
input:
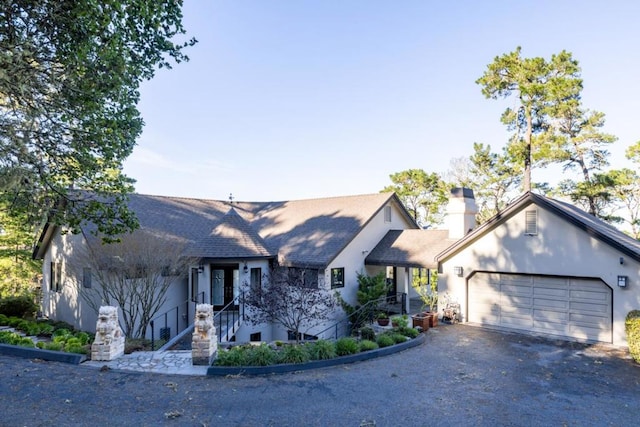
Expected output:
(165, 316)
(230, 316)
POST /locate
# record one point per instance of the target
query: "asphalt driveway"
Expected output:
(462, 376)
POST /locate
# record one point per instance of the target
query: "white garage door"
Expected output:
(573, 308)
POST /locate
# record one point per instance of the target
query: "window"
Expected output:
(256, 280)
(86, 277)
(531, 223)
(337, 278)
(256, 336)
(387, 214)
(56, 276)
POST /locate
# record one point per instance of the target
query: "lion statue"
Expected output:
(107, 328)
(203, 326)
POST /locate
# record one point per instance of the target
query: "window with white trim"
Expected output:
(337, 278)
(387, 214)
(55, 276)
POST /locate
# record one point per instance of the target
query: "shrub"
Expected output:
(261, 355)
(632, 328)
(400, 321)
(235, 356)
(14, 321)
(18, 306)
(45, 329)
(25, 342)
(408, 332)
(384, 340)
(77, 348)
(367, 333)
(4, 320)
(397, 338)
(54, 346)
(62, 332)
(322, 350)
(294, 354)
(84, 337)
(367, 345)
(7, 337)
(346, 346)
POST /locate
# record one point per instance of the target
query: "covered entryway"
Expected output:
(570, 307)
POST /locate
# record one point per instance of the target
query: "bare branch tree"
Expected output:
(134, 274)
(291, 297)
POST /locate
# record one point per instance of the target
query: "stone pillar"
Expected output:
(204, 343)
(109, 341)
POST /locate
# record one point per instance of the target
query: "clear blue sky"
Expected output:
(301, 99)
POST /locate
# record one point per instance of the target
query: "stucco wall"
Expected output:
(560, 248)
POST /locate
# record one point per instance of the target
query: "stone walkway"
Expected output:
(164, 362)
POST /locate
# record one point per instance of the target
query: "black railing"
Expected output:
(364, 315)
(178, 317)
(227, 318)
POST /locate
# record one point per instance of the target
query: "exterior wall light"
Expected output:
(458, 271)
(245, 269)
(201, 268)
(622, 281)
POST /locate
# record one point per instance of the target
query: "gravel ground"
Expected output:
(462, 376)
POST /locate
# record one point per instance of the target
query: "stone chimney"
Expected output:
(461, 212)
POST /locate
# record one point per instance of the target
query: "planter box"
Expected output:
(420, 320)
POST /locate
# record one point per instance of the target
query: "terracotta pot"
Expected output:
(383, 322)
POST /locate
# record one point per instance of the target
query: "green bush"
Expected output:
(45, 329)
(18, 306)
(26, 342)
(4, 320)
(235, 356)
(346, 346)
(261, 355)
(14, 321)
(293, 354)
(84, 337)
(367, 345)
(408, 332)
(322, 350)
(367, 333)
(400, 321)
(7, 337)
(385, 340)
(397, 338)
(54, 346)
(78, 349)
(632, 328)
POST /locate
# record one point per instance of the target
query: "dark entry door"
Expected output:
(225, 285)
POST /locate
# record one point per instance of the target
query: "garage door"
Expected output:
(573, 308)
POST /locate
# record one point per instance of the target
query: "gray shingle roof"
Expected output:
(307, 233)
(410, 248)
(232, 237)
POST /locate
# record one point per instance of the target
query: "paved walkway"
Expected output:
(164, 362)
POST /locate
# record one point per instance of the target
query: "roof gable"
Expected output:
(409, 248)
(591, 225)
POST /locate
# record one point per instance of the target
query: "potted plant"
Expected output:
(383, 319)
(427, 289)
(421, 320)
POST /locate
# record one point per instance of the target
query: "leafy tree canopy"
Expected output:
(70, 71)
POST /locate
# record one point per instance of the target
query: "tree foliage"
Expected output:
(18, 272)
(541, 89)
(70, 72)
(290, 298)
(133, 274)
(423, 194)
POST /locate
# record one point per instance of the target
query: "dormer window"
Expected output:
(531, 223)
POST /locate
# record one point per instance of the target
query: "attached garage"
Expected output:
(575, 308)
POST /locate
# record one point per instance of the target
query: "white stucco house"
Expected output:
(233, 243)
(540, 265)
(544, 266)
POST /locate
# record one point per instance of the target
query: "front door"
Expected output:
(225, 285)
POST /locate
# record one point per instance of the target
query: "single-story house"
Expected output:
(232, 244)
(548, 267)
